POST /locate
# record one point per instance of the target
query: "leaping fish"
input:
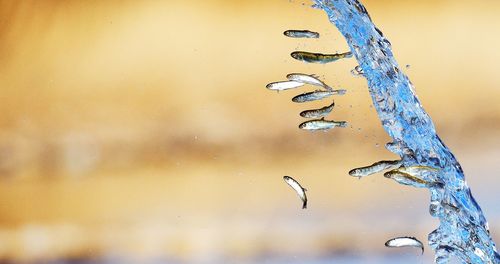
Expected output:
(315, 95)
(411, 179)
(301, 192)
(418, 170)
(318, 113)
(375, 168)
(284, 85)
(321, 124)
(308, 79)
(311, 57)
(405, 242)
(295, 33)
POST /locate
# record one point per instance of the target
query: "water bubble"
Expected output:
(357, 71)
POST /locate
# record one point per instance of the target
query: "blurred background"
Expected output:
(142, 131)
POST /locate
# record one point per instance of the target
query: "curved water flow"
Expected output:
(463, 230)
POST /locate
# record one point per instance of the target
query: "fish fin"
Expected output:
(305, 190)
(315, 75)
(329, 88)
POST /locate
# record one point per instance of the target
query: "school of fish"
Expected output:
(415, 175)
(296, 80)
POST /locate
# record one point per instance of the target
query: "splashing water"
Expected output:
(463, 230)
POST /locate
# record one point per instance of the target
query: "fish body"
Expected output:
(375, 168)
(315, 95)
(311, 57)
(321, 124)
(295, 33)
(318, 113)
(405, 242)
(410, 179)
(308, 79)
(419, 170)
(301, 192)
(284, 85)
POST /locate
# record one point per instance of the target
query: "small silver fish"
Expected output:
(319, 57)
(375, 168)
(308, 79)
(418, 170)
(316, 95)
(411, 179)
(405, 242)
(318, 113)
(296, 33)
(321, 124)
(284, 85)
(301, 192)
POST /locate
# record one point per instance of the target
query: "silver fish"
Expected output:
(411, 179)
(318, 113)
(311, 57)
(419, 170)
(405, 242)
(375, 168)
(295, 33)
(316, 95)
(283, 85)
(301, 192)
(308, 79)
(321, 124)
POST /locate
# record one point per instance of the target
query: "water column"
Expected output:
(463, 229)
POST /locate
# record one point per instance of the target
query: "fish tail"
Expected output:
(342, 124)
(304, 205)
(328, 88)
(341, 91)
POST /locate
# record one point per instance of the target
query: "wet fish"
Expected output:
(318, 113)
(308, 79)
(284, 85)
(301, 192)
(410, 179)
(321, 124)
(311, 57)
(375, 168)
(296, 33)
(316, 95)
(405, 242)
(418, 170)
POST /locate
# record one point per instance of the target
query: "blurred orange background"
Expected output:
(143, 131)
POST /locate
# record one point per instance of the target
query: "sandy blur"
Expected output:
(143, 129)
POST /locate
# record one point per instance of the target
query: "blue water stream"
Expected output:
(463, 229)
